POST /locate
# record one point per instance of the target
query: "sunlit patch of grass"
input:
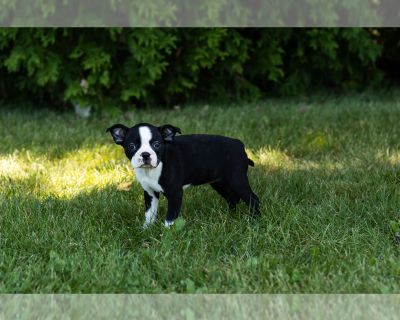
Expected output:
(272, 158)
(81, 170)
(394, 159)
(86, 169)
(11, 166)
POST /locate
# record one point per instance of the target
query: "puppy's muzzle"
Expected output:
(146, 158)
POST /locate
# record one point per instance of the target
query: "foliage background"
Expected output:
(129, 67)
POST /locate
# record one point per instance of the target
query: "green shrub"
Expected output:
(115, 68)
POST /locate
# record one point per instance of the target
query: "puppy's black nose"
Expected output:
(145, 155)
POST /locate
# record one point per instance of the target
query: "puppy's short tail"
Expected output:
(251, 162)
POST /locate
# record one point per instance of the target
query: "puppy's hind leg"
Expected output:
(226, 193)
(245, 193)
(254, 205)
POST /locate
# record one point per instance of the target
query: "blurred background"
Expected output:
(118, 69)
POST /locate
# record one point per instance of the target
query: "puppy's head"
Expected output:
(144, 143)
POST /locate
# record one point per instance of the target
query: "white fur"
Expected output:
(167, 224)
(148, 178)
(186, 186)
(145, 137)
(151, 213)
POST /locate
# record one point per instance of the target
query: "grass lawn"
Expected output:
(327, 173)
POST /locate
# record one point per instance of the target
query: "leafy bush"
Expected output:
(118, 67)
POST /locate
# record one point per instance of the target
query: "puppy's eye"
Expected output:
(132, 147)
(156, 144)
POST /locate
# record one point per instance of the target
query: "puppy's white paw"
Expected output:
(167, 224)
(150, 218)
(146, 224)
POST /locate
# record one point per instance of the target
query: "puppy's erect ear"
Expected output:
(118, 132)
(168, 132)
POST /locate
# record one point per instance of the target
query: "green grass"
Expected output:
(327, 173)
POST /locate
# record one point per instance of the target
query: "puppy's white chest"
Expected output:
(148, 178)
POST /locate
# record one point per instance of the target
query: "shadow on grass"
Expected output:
(50, 134)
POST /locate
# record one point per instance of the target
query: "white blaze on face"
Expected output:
(145, 137)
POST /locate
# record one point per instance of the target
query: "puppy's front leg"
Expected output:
(151, 204)
(174, 206)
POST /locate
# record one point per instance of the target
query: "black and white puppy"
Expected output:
(167, 164)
